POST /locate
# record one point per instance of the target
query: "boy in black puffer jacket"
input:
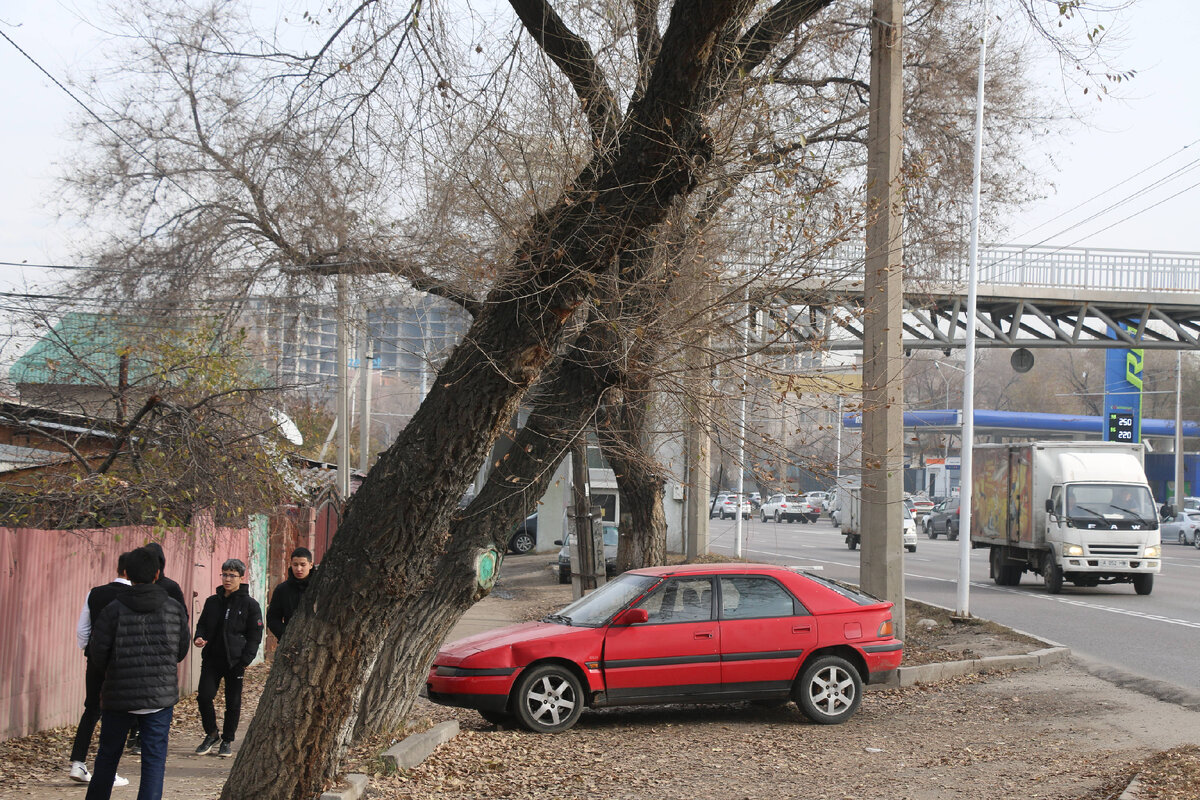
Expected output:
(135, 644)
(229, 630)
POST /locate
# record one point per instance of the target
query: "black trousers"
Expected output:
(212, 673)
(91, 715)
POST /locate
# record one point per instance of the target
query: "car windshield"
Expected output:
(595, 609)
(1110, 501)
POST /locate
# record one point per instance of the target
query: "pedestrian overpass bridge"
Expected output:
(1032, 297)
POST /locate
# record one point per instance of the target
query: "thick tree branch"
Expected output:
(576, 60)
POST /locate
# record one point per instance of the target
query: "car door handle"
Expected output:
(801, 628)
(702, 635)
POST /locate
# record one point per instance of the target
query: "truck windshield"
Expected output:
(1110, 502)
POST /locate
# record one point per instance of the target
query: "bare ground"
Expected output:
(1057, 733)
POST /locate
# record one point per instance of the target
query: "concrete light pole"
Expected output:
(881, 566)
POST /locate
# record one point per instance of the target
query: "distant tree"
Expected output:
(191, 423)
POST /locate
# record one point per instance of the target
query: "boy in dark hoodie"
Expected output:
(135, 644)
(229, 630)
(286, 598)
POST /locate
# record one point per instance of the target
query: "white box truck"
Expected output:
(1069, 511)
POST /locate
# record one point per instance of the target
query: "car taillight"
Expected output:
(885, 630)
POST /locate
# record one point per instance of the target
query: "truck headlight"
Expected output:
(1152, 551)
(1073, 550)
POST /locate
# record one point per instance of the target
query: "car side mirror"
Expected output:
(632, 616)
(558, 542)
(1049, 506)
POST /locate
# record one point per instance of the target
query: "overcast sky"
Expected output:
(1141, 140)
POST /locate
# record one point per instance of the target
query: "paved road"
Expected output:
(1156, 636)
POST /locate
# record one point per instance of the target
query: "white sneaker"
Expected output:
(79, 772)
(119, 781)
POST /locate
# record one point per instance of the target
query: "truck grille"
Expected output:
(1124, 550)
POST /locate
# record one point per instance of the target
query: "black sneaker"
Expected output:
(226, 749)
(210, 741)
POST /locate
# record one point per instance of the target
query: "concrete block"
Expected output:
(416, 748)
(358, 786)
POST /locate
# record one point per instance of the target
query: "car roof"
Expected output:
(725, 567)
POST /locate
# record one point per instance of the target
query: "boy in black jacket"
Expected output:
(229, 630)
(135, 644)
(286, 598)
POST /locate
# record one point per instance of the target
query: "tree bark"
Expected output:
(562, 406)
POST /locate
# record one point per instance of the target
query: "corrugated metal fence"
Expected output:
(46, 577)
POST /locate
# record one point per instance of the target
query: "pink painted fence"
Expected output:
(46, 576)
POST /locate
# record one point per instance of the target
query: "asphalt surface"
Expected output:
(1155, 637)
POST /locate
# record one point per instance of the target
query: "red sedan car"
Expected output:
(687, 634)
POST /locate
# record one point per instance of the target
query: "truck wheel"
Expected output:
(1053, 575)
(851, 542)
(1143, 584)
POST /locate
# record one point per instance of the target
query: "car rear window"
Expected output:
(795, 498)
(851, 593)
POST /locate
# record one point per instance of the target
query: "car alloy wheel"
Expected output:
(1182, 538)
(549, 699)
(521, 542)
(830, 690)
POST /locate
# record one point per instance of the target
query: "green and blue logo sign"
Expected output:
(1123, 395)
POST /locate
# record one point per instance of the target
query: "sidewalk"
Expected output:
(192, 777)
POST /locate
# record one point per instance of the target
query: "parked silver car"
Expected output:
(1182, 528)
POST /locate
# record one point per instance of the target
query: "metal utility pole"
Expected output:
(881, 567)
(1180, 483)
(364, 398)
(741, 478)
(963, 606)
(343, 389)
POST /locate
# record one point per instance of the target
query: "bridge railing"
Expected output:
(1049, 267)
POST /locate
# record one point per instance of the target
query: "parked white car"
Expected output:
(726, 507)
(788, 508)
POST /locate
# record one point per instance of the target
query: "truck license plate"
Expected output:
(1114, 563)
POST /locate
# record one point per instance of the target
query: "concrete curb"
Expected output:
(928, 673)
(1133, 791)
(416, 748)
(403, 755)
(358, 786)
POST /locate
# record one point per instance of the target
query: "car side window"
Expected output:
(680, 600)
(753, 597)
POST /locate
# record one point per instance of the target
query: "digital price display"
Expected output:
(1120, 426)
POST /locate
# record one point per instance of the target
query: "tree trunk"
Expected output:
(562, 405)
